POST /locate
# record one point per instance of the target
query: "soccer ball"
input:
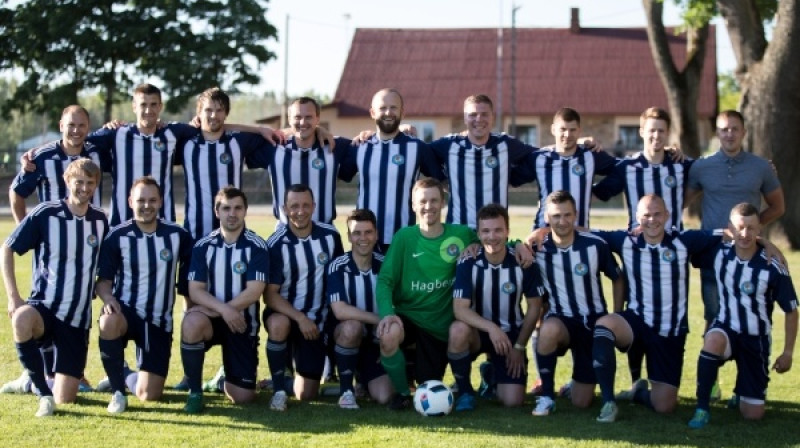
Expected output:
(433, 398)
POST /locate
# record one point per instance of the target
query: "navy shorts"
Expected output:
(153, 344)
(309, 356)
(664, 353)
(751, 354)
(431, 353)
(499, 362)
(239, 354)
(369, 360)
(581, 335)
(71, 343)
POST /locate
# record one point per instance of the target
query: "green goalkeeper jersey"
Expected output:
(417, 275)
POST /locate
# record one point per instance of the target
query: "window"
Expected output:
(426, 130)
(629, 139)
(527, 133)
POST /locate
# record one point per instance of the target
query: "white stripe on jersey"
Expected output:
(316, 168)
(666, 181)
(477, 177)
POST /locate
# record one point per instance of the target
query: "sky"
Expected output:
(320, 31)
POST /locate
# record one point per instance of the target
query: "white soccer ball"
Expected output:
(433, 398)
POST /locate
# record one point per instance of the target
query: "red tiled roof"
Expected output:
(596, 71)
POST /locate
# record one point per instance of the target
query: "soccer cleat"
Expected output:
(716, 392)
(183, 385)
(733, 403)
(699, 419)
(544, 406)
(566, 390)
(217, 383)
(47, 405)
(194, 404)
(608, 413)
(348, 400)
(84, 385)
(104, 385)
(21, 385)
(488, 385)
(466, 402)
(278, 402)
(627, 395)
(400, 402)
(537, 387)
(118, 403)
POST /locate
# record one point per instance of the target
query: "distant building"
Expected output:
(607, 74)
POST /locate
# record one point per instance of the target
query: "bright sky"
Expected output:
(320, 31)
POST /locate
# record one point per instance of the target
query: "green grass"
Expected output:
(322, 424)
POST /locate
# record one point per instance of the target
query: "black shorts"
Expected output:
(664, 353)
(369, 360)
(499, 362)
(71, 343)
(581, 336)
(239, 354)
(751, 354)
(431, 353)
(153, 344)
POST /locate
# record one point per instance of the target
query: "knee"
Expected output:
(752, 412)
(665, 405)
(715, 342)
(348, 333)
(278, 326)
(22, 323)
(242, 397)
(193, 327)
(458, 335)
(148, 395)
(391, 341)
(111, 326)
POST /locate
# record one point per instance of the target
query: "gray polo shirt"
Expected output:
(727, 181)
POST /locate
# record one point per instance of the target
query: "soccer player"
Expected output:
(139, 263)
(726, 178)
(570, 263)
(571, 167)
(415, 290)
(388, 164)
(65, 236)
(656, 266)
(749, 287)
(304, 159)
(487, 306)
(296, 314)
(227, 276)
(352, 280)
(649, 172)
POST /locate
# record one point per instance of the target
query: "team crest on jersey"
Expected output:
(92, 240)
(509, 288)
(159, 146)
(578, 170)
(670, 181)
(165, 254)
(240, 267)
(450, 249)
(668, 255)
(318, 164)
(581, 269)
(398, 159)
(225, 158)
(322, 258)
(491, 162)
(453, 250)
(747, 287)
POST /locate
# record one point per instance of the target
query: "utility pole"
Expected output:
(285, 107)
(498, 124)
(513, 130)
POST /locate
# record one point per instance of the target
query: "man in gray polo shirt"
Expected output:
(726, 178)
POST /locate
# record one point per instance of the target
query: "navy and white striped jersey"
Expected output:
(748, 289)
(571, 275)
(316, 167)
(636, 177)
(134, 155)
(348, 284)
(553, 172)
(48, 178)
(478, 175)
(226, 269)
(657, 286)
(387, 171)
(144, 266)
(298, 266)
(65, 254)
(208, 167)
(496, 290)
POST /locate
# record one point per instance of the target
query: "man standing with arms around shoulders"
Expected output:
(66, 237)
(487, 305)
(228, 274)
(415, 290)
(140, 261)
(352, 281)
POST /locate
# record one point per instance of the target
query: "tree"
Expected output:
(67, 46)
(682, 86)
(769, 79)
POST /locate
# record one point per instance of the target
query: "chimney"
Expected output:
(575, 22)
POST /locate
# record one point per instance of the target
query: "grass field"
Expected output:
(323, 424)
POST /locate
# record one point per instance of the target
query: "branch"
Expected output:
(659, 44)
(746, 30)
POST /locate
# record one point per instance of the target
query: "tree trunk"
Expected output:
(682, 87)
(771, 105)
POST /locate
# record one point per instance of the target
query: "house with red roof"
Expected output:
(606, 74)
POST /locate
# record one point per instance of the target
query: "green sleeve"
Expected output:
(391, 270)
